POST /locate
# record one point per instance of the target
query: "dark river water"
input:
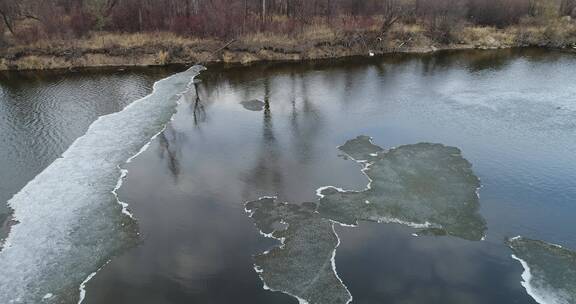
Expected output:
(511, 112)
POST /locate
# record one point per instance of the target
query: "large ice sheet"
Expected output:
(70, 222)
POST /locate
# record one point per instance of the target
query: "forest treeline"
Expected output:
(30, 20)
(55, 34)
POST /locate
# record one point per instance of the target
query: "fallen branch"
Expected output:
(218, 50)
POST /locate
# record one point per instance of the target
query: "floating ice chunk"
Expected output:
(253, 105)
(422, 186)
(69, 219)
(549, 275)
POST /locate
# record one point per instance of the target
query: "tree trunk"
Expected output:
(263, 15)
(245, 16)
(567, 7)
(7, 22)
(140, 19)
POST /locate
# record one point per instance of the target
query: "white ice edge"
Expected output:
(540, 296)
(259, 199)
(551, 244)
(527, 279)
(333, 262)
(260, 271)
(387, 220)
(82, 287)
(124, 172)
(19, 250)
(250, 214)
(391, 220)
(364, 164)
(266, 287)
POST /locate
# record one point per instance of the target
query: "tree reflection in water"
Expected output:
(305, 122)
(170, 141)
(266, 175)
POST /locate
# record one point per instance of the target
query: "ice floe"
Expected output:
(69, 221)
(549, 275)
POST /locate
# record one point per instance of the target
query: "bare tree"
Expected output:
(391, 13)
(9, 11)
(568, 8)
(227, 18)
(263, 11)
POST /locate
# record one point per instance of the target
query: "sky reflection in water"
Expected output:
(188, 189)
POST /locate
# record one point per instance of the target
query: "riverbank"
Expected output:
(102, 49)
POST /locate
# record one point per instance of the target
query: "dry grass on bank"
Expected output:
(556, 33)
(486, 37)
(309, 35)
(316, 40)
(104, 40)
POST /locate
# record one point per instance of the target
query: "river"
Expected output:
(241, 133)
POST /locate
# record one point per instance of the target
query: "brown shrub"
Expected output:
(163, 57)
